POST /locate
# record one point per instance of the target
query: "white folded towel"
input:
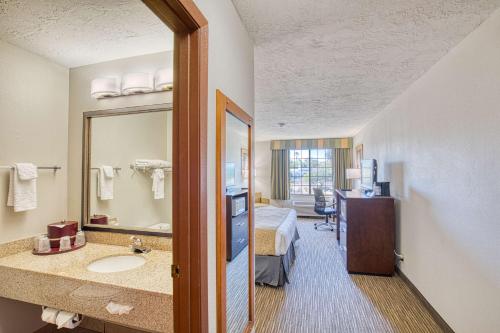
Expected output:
(22, 187)
(145, 163)
(27, 171)
(49, 315)
(67, 320)
(158, 184)
(105, 183)
(108, 171)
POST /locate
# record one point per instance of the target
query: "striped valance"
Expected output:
(312, 143)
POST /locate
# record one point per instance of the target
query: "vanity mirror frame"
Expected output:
(86, 167)
(225, 105)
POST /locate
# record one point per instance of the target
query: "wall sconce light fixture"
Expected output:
(105, 87)
(164, 79)
(137, 83)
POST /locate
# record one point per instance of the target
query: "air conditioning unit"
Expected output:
(304, 207)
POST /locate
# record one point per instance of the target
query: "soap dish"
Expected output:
(56, 250)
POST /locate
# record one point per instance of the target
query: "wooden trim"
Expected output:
(189, 225)
(85, 198)
(129, 110)
(181, 16)
(435, 315)
(223, 105)
(220, 155)
(127, 231)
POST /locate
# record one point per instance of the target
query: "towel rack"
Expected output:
(114, 168)
(55, 167)
(133, 167)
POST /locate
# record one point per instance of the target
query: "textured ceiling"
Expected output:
(81, 32)
(327, 67)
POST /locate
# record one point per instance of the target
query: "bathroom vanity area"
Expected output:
(90, 174)
(66, 282)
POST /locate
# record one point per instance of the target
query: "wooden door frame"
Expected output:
(189, 206)
(223, 105)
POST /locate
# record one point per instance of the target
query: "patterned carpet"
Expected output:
(237, 293)
(323, 297)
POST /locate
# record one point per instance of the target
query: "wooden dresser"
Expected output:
(236, 226)
(366, 232)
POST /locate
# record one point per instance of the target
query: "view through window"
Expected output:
(309, 169)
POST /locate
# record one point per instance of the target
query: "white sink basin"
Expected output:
(116, 264)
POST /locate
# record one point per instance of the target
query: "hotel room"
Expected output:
(285, 166)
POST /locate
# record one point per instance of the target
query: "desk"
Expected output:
(366, 232)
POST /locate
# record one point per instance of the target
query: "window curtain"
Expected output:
(343, 160)
(280, 188)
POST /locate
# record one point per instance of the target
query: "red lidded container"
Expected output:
(60, 229)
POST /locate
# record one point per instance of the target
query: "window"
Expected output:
(309, 169)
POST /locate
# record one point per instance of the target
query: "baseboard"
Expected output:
(437, 317)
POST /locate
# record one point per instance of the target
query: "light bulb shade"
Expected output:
(164, 79)
(104, 87)
(353, 173)
(137, 83)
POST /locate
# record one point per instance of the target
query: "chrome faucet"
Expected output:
(137, 246)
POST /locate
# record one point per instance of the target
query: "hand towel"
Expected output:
(108, 171)
(104, 183)
(49, 315)
(22, 187)
(27, 171)
(158, 184)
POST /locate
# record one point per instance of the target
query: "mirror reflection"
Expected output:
(237, 205)
(130, 183)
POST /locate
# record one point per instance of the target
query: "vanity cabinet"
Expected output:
(96, 327)
(236, 226)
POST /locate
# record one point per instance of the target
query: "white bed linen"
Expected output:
(283, 220)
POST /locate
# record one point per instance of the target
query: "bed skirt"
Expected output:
(274, 270)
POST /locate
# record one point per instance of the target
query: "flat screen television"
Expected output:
(368, 174)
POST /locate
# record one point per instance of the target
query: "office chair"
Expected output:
(324, 207)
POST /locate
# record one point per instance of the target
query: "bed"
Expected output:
(275, 237)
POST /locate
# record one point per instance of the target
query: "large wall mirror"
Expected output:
(127, 170)
(235, 236)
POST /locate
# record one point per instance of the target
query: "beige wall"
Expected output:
(263, 168)
(33, 128)
(236, 139)
(439, 145)
(230, 63)
(81, 101)
(118, 141)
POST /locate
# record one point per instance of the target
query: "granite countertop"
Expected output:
(153, 276)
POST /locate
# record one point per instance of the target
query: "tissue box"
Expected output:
(99, 219)
(60, 229)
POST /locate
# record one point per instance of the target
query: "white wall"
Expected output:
(263, 168)
(81, 101)
(236, 139)
(33, 128)
(230, 69)
(439, 145)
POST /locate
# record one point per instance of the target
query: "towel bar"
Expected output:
(55, 167)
